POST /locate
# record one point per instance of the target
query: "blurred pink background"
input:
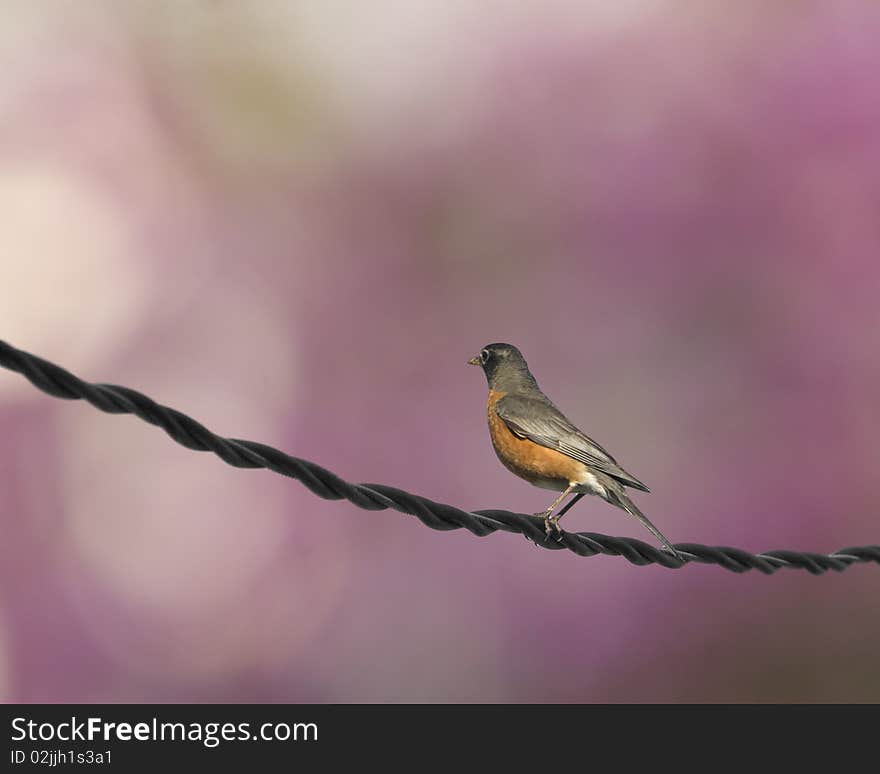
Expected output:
(297, 221)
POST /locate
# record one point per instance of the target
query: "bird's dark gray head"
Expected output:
(505, 367)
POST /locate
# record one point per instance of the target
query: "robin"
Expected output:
(534, 440)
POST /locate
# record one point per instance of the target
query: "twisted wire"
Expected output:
(239, 453)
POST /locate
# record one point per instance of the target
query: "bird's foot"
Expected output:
(670, 550)
(551, 525)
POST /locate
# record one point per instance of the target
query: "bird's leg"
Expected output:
(552, 522)
(568, 506)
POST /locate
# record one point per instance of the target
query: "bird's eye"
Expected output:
(484, 356)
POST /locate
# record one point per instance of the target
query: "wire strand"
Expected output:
(113, 399)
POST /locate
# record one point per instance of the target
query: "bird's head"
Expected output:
(501, 363)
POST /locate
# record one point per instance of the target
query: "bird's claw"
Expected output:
(551, 524)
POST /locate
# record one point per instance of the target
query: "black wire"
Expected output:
(376, 497)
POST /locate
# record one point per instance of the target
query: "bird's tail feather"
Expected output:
(622, 501)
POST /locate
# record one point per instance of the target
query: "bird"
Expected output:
(537, 442)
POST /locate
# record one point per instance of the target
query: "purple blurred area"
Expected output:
(296, 222)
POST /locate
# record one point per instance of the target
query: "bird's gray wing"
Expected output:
(537, 419)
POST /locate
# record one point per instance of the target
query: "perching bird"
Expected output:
(534, 440)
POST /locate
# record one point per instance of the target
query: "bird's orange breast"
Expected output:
(537, 464)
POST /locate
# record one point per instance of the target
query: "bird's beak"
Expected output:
(474, 360)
